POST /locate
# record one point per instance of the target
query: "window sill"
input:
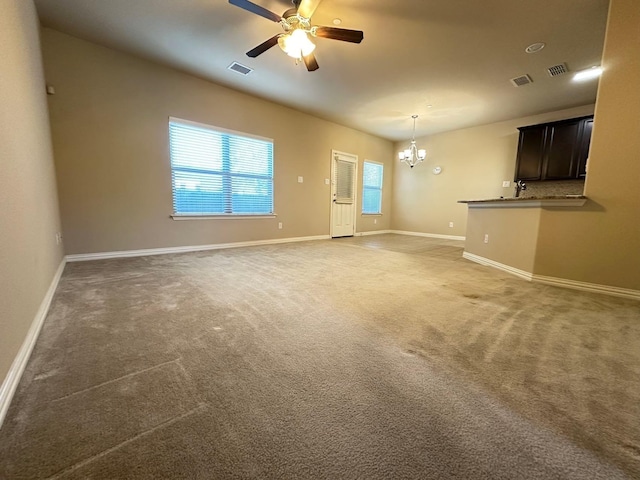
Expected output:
(371, 214)
(221, 217)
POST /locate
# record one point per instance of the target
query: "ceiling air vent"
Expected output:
(239, 68)
(557, 70)
(521, 80)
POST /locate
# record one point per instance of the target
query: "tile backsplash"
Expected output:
(560, 187)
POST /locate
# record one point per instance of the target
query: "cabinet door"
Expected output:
(561, 161)
(530, 152)
(585, 144)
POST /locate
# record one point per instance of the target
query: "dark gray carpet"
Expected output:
(376, 357)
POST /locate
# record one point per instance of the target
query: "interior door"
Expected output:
(343, 194)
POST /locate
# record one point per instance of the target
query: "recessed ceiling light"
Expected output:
(588, 74)
(535, 47)
(429, 106)
(337, 21)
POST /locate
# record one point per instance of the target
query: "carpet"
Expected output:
(371, 357)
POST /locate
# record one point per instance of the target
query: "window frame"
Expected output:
(365, 188)
(225, 173)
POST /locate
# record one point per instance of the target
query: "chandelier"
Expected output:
(411, 156)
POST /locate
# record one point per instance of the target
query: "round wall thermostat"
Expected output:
(437, 170)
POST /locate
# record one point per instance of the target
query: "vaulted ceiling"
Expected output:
(449, 61)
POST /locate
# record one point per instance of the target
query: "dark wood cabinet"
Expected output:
(554, 151)
(585, 144)
(530, 151)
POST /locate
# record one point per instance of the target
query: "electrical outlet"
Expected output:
(58, 238)
(506, 183)
(486, 238)
(375, 220)
(279, 225)
(300, 179)
(450, 224)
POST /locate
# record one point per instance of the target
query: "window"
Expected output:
(219, 172)
(372, 191)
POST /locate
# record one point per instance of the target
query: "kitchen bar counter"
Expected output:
(527, 202)
(503, 232)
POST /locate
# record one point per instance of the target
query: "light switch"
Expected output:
(326, 181)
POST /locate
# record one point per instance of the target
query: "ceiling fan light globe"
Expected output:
(296, 44)
(308, 48)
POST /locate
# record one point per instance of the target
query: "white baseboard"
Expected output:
(81, 257)
(374, 232)
(11, 381)
(500, 266)
(555, 281)
(587, 287)
(430, 235)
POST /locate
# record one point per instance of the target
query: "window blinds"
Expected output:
(344, 173)
(372, 191)
(216, 172)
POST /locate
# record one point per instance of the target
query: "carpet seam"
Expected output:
(103, 453)
(132, 374)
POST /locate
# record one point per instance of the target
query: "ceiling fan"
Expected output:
(296, 23)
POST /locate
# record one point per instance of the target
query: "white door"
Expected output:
(343, 194)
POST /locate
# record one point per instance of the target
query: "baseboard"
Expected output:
(81, 257)
(430, 235)
(500, 266)
(555, 281)
(588, 287)
(10, 383)
(374, 232)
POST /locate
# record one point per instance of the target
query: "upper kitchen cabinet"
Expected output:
(585, 143)
(554, 151)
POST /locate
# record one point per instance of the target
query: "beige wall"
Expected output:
(29, 218)
(513, 235)
(109, 125)
(474, 163)
(601, 243)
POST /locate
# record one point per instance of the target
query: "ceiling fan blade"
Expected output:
(311, 62)
(342, 34)
(263, 47)
(307, 7)
(257, 9)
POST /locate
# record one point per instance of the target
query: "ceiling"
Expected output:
(455, 55)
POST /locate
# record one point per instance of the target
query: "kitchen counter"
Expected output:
(503, 232)
(527, 202)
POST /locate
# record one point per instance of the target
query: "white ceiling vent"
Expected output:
(556, 70)
(521, 80)
(239, 68)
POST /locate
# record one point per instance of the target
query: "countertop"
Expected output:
(544, 201)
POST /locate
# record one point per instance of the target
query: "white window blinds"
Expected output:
(344, 174)
(372, 187)
(217, 172)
